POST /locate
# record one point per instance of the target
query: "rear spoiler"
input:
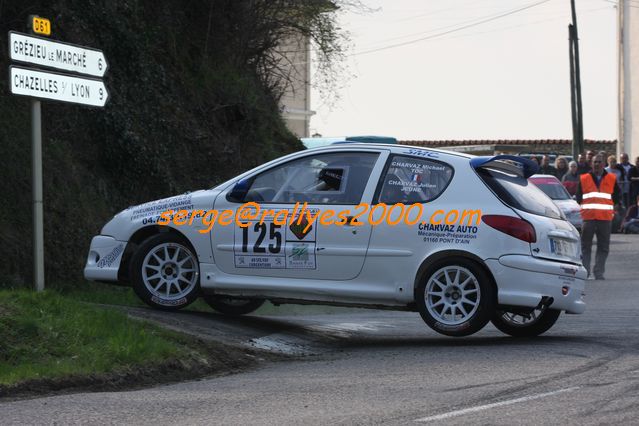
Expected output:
(514, 164)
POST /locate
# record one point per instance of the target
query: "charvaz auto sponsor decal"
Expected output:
(268, 245)
(447, 234)
(154, 208)
(111, 257)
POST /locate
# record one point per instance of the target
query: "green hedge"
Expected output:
(187, 111)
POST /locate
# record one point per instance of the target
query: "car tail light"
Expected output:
(513, 226)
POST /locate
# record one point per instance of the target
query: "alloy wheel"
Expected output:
(170, 271)
(452, 295)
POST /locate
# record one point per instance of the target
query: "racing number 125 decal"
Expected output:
(274, 238)
(268, 245)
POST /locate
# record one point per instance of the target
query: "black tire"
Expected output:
(179, 277)
(479, 305)
(231, 306)
(506, 322)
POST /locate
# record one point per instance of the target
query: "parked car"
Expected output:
(552, 187)
(514, 261)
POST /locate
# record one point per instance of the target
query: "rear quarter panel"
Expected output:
(414, 244)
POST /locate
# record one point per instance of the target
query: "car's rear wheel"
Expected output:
(530, 324)
(165, 272)
(456, 297)
(233, 306)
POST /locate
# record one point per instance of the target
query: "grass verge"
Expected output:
(50, 342)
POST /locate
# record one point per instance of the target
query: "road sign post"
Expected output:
(38, 214)
(40, 84)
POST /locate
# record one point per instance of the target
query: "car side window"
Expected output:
(337, 178)
(414, 180)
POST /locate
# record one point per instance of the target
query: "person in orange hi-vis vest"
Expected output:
(598, 194)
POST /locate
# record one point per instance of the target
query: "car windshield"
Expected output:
(553, 190)
(518, 192)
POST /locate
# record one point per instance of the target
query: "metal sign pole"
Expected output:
(36, 181)
(38, 219)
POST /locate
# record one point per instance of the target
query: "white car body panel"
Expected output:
(380, 266)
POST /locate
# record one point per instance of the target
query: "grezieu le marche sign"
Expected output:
(54, 54)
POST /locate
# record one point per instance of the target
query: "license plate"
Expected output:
(563, 247)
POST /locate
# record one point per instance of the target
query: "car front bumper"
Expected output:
(576, 220)
(525, 280)
(103, 262)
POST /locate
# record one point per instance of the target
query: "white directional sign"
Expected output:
(59, 87)
(55, 54)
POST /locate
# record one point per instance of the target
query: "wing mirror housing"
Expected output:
(239, 191)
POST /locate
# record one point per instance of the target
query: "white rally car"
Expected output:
(487, 245)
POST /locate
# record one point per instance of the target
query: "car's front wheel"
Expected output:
(530, 324)
(165, 272)
(233, 306)
(456, 297)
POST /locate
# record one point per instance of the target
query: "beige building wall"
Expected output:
(295, 104)
(629, 78)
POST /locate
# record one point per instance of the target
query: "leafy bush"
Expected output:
(190, 107)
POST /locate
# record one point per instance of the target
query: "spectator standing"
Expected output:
(546, 168)
(571, 179)
(629, 170)
(582, 164)
(562, 167)
(605, 157)
(589, 155)
(598, 194)
(615, 169)
(634, 180)
(631, 221)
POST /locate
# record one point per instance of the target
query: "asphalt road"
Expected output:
(370, 367)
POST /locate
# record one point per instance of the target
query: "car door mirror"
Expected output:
(239, 191)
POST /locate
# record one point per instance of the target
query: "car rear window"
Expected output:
(518, 193)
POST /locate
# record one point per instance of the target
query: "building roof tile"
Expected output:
(442, 143)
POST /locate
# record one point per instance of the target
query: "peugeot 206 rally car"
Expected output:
(483, 244)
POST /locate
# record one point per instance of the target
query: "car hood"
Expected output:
(123, 224)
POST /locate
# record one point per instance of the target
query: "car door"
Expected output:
(284, 240)
(411, 188)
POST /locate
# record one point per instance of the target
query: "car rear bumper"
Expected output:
(103, 262)
(525, 280)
